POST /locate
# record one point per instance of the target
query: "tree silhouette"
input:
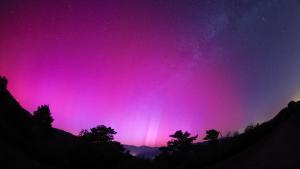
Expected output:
(98, 134)
(181, 142)
(235, 134)
(97, 148)
(251, 127)
(43, 116)
(212, 135)
(3, 82)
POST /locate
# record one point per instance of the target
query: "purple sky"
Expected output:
(149, 68)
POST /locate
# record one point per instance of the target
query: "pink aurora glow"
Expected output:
(123, 70)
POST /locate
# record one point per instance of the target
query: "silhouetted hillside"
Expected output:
(24, 139)
(280, 149)
(27, 141)
(272, 144)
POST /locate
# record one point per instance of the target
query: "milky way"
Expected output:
(149, 68)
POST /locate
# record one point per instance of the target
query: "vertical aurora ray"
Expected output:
(149, 68)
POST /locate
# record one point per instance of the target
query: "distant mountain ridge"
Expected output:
(273, 144)
(143, 151)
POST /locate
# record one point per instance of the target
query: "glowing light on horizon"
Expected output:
(149, 68)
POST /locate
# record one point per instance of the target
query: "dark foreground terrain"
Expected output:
(25, 143)
(279, 150)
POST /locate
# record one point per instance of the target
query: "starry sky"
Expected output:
(149, 68)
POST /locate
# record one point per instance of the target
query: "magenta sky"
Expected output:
(146, 69)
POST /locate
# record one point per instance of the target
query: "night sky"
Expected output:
(149, 68)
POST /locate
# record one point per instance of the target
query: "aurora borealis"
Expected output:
(149, 68)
